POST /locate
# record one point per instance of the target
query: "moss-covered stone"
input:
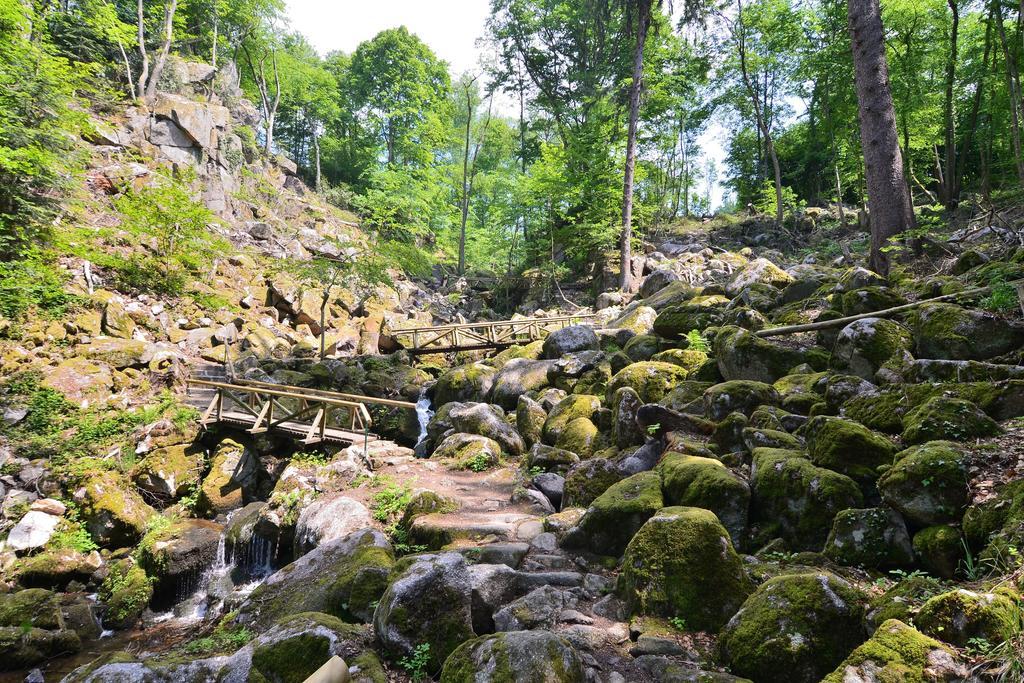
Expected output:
(684, 394)
(126, 592)
(928, 483)
(687, 359)
(870, 537)
(694, 481)
(302, 643)
(23, 648)
(696, 314)
(947, 331)
(993, 526)
(793, 498)
(847, 447)
(467, 383)
(754, 437)
(617, 514)
(550, 459)
(743, 355)
(580, 436)
(728, 434)
(468, 451)
(869, 300)
(344, 578)
(882, 412)
(515, 657)
(897, 652)
(942, 418)
(530, 419)
(682, 563)
(800, 392)
(34, 607)
(568, 409)
(940, 549)
(114, 513)
(643, 346)
(170, 472)
(865, 345)
(232, 480)
(587, 480)
(960, 615)
(742, 396)
(795, 628)
(651, 380)
(902, 600)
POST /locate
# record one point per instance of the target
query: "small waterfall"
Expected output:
(423, 414)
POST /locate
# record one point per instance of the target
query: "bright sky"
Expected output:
(450, 27)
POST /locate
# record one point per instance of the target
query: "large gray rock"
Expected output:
(515, 657)
(328, 518)
(570, 340)
(517, 377)
(865, 345)
(486, 420)
(430, 602)
(34, 530)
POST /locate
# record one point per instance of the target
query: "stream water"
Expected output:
(424, 412)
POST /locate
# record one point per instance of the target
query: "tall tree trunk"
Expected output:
(268, 104)
(643, 23)
(140, 88)
(464, 203)
(950, 186)
(972, 125)
(165, 49)
(1013, 85)
(759, 112)
(888, 195)
(318, 179)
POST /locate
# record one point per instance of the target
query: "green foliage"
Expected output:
(678, 623)
(38, 124)
(697, 341)
(31, 282)
(416, 665)
(172, 225)
(767, 201)
(389, 503)
(478, 463)
(227, 637)
(1002, 298)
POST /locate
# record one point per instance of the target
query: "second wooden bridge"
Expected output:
(483, 335)
(310, 415)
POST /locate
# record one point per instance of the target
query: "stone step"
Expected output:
(437, 530)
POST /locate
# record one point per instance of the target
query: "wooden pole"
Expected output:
(884, 313)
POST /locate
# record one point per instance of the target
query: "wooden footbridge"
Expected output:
(310, 415)
(483, 335)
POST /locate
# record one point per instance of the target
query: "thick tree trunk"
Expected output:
(950, 186)
(140, 88)
(643, 23)
(165, 49)
(888, 194)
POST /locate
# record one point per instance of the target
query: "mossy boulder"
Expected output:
(515, 657)
(468, 451)
(580, 436)
(625, 430)
(994, 525)
(800, 392)
(55, 569)
(530, 419)
(585, 481)
(865, 345)
(693, 481)
(759, 437)
(651, 380)
(125, 593)
(170, 472)
(682, 563)
(743, 355)
(568, 409)
(951, 419)
(928, 484)
(430, 601)
(34, 607)
(643, 346)
(344, 577)
(467, 383)
(947, 331)
(940, 549)
(115, 515)
(897, 652)
(637, 318)
(550, 459)
(902, 600)
(687, 359)
(616, 515)
(486, 420)
(795, 628)
(698, 313)
(760, 271)
(517, 377)
(847, 447)
(23, 648)
(742, 396)
(880, 411)
(233, 478)
(960, 615)
(793, 498)
(570, 340)
(870, 537)
(869, 300)
(175, 555)
(300, 644)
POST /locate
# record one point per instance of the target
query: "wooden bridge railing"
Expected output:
(310, 415)
(483, 335)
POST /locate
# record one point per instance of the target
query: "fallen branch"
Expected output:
(884, 313)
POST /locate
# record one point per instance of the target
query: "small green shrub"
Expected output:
(416, 664)
(32, 283)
